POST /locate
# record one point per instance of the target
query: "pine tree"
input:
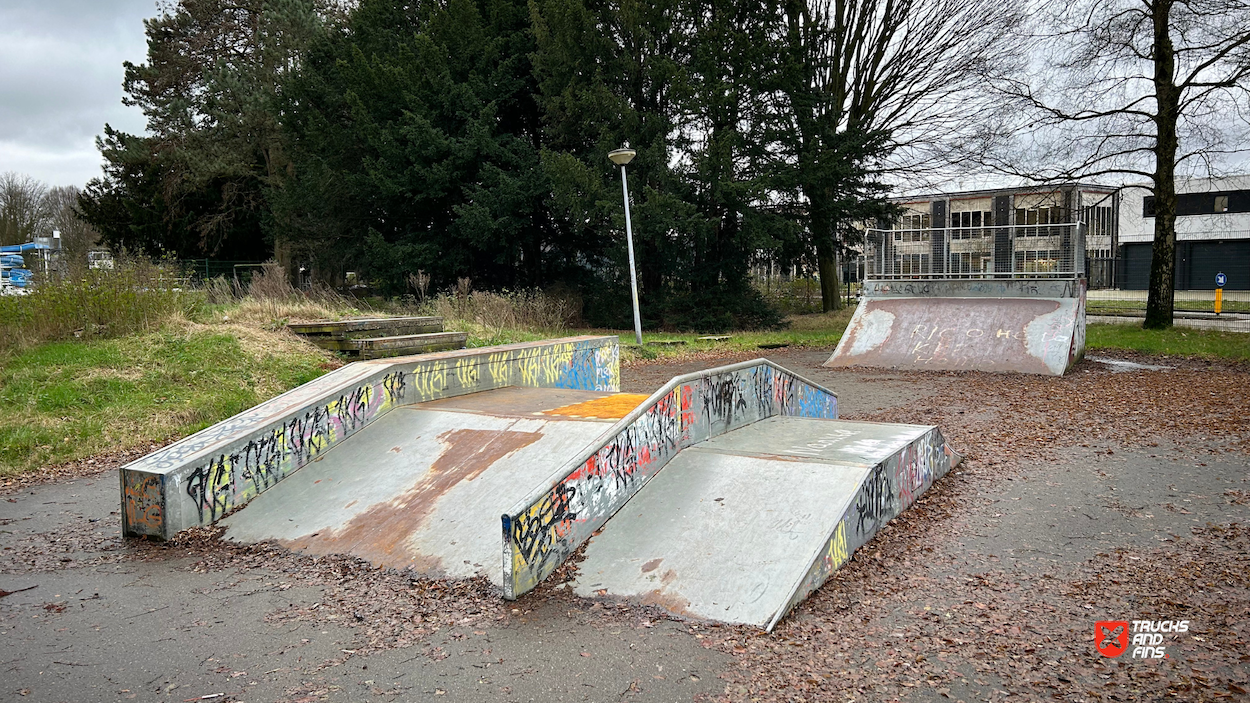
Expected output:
(208, 89)
(415, 145)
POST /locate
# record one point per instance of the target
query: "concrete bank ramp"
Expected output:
(200, 479)
(1020, 325)
(729, 495)
(735, 491)
(422, 487)
(744, 526)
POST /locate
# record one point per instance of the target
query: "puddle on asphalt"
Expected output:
(1118, 366)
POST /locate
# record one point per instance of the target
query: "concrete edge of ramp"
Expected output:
(541, 531)
(197, 480)
(1011, 325)
(892, 487)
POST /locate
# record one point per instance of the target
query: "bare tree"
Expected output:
(77, 237)
(882, 87)
(23, 208)
(1130, 87)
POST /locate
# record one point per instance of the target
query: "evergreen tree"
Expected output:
(414, 137)
(197, 183)
(672, 79)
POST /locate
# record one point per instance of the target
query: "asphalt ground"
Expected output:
(1107, 494)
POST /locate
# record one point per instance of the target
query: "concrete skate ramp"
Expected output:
(1020, 325)
(422, 487)
(742, 527)
(199, 479)
(548, 525)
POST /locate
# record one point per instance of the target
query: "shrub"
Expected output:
(136, 295)
(529, 309)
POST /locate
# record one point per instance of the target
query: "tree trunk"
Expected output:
(1161, 296)
(826, 262)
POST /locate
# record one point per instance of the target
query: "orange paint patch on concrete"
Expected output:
(610, 407)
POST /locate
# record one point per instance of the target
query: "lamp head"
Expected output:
(620, 157)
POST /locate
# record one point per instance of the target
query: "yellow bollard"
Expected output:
(1219, 300)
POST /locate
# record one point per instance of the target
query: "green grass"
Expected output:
(68, 400)
(820, 330)
(63, 401)
(1095, 307)
(1177, 341)
(136, 296)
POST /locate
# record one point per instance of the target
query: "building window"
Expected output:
(1098, 220)
(1037, 261)
(968, 225)
(911, 264)
(1231, 201)
(1033, 220)
(912, 228)
(969, 262)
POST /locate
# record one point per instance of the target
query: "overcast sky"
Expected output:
(60, 82)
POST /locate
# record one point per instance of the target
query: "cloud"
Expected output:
(61, 83)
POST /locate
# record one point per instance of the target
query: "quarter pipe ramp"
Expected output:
(1019, 325)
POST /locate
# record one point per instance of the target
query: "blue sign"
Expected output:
(1220, 280)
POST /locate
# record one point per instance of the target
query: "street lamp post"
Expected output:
(620, 157)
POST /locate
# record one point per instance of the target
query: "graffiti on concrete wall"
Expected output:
(547, 529)
(230, 479)
(889, 488)
(570, 365)
(234, 478)
(228, 464)
(143, 502)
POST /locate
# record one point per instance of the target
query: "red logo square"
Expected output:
(1111, 637)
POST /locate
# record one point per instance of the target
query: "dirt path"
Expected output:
(1097, 496)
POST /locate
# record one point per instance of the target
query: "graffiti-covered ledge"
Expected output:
(197, 480)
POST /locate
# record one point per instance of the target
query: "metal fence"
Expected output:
(207, 269)
(1100, 271)
(1191, 308)
(1034, 251)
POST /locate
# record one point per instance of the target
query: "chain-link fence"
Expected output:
(1023, 251)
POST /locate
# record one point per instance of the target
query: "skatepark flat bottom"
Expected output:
(423, 487)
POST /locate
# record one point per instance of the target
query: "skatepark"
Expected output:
(534, 521)
(410, 463)
(1002, 541)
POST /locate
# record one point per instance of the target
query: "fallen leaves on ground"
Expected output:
(907, 618)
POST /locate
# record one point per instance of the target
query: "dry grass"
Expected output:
(256, 340)
(531, 310)
(270, 301)
(271, 314)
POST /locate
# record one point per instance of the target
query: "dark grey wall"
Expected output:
(1196, 265)
(938, 222)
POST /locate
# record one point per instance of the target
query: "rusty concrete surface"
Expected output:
(423, 487)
